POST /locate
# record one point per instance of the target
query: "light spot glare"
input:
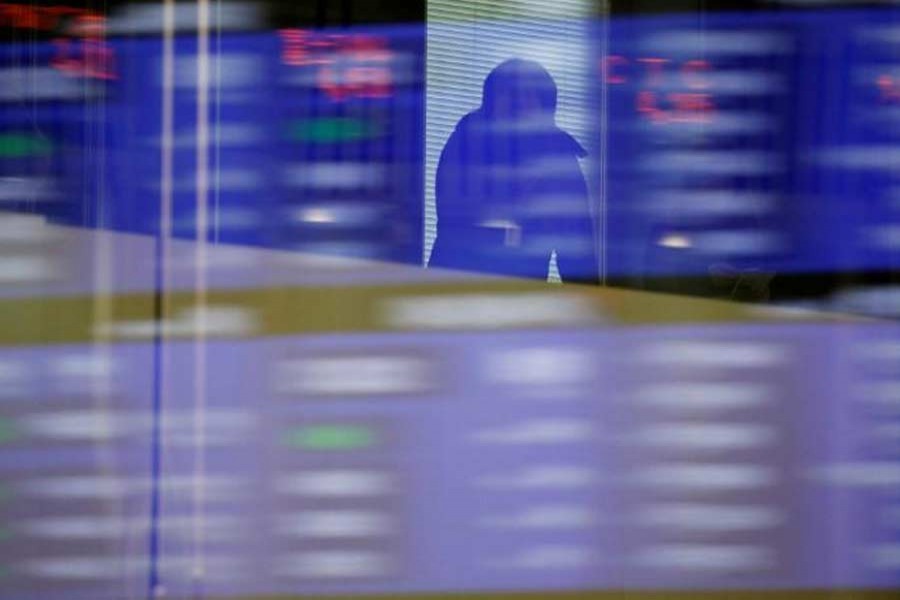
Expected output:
(675, 240)
(317, 215)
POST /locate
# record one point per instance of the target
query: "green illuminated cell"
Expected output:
(330, 437)
(330, 130)
(8, 433)
(17, 145)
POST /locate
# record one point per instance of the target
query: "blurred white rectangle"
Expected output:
(84, 365)
(707, 557)
(355, 69)
(713, 354)
(689, 397)
(110, 487)
(718, 43)
(226, 180)
(335, 524)
(560, 517)
(26, 268)
(696, 477)
(719, 203)
(885, 557)
(42, 83)
(225, 71)
(710, 518)
(882, 157)
(15, 378)
(25, 229)
(221, 135)
(742, 84)
(885, 393)
(31, 189)
(538, 366)
(488, 311)
(335, 175)
(889, 432)
(881, 34)
(334, 564)
(209, 320)
(885, 236)
(333, 253)
(348, 214)
(353, 375)
(739, 242)
(547, 557)
(109, 568)
(706, 436)
(726, 123)
(88, 527)
(891, 517)
(862, 474)
(537, 431)
(542, 477)
(888, 350)
(148, 18)
(80, 568)
(336, 483)
(178, 427)
(704, 162)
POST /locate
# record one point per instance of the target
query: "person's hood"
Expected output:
(543, 135)
(518, 107)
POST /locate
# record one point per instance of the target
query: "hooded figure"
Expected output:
(509, 188)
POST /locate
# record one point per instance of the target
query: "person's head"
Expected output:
(519, 89)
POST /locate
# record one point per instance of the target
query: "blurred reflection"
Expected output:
(436, 433)
(224, 373)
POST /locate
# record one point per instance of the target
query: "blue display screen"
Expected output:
(315, 139)
(757, 140)
(762, 141)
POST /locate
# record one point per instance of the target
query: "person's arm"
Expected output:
(577, 256)
(446, 179)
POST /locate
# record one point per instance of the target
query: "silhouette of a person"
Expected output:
(509, 189)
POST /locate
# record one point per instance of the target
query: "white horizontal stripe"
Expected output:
(710, 517)
(706, 477)
(336, 483)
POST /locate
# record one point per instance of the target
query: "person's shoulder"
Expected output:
(558, 142)
(466, 128)
(469, 118)
(570, 145)
(469, 123)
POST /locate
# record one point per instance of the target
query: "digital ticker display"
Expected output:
(315, 137)
(723, 147)
(241, 423)
(471, 462)
(717, 149)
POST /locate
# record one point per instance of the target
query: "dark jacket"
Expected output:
(509, 187)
